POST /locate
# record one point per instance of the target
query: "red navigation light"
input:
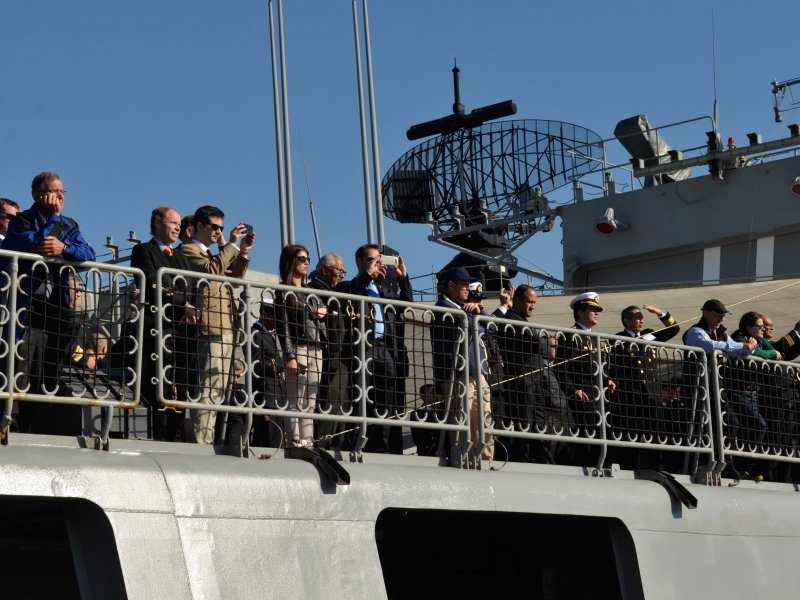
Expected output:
(796, 186)
(731, 143)
(605, 228)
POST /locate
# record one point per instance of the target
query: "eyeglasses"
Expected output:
(759, 326)
(341, 272)
(59, 192)
(215, 227)
(302, 259)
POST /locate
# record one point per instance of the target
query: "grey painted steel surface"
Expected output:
(195, 525)
(679, 219)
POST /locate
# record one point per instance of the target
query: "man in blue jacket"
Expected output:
(46, 303)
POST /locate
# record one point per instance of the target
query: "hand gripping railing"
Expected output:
(60, 322)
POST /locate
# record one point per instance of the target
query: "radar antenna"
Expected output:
(481, 185)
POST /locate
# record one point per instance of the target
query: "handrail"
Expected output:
(668, 399)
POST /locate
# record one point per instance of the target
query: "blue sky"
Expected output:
(170, 102)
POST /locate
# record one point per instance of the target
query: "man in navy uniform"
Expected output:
(634, 366)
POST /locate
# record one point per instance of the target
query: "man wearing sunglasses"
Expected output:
(636, 405)
(386, 355)
(215, 343)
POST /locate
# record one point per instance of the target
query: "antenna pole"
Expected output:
(308, 189)
(714, 67)
(458, 108)
(287, 145)
(376, 166)
(278, 135)
(316, 232)
(364, 151)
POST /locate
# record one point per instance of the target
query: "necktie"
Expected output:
(210, 253)
(372, 290)
(167, 251)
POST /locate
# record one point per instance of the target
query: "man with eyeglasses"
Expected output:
(387, 364)
(788, 345)
(8, 210)
(333, 381)
(634, 367)
(46, 303)
(219, 312)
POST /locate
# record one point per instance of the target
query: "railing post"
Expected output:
(598, 357)
(363, 306)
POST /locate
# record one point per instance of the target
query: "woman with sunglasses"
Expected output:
(299, 320)
(745, 382)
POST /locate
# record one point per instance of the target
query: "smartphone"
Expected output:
(389, 261)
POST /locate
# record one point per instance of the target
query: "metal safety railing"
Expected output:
(63, 326)
(759, 405)
(355, 384)
(578, 397)
(226, 361)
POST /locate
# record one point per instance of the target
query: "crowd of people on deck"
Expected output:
(307, 358)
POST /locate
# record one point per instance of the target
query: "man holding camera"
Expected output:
(385, 352)
(219, 313)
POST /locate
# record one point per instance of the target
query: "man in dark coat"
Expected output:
(178, 322)
(385, 353)
(529, 376)
(333, 388)
(268, 378)
(634, 366)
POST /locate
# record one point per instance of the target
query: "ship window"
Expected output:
(458, 554)
(57, 548)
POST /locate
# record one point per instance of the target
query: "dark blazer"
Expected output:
(521, 351)
(394, 325)
(670, 330)
(149, 257)
(575, 360)
(268, 367)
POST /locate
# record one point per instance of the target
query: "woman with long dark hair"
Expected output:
(746, 384)
(299, 319)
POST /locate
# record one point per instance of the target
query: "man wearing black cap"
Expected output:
(709, 333)
(445, 340)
